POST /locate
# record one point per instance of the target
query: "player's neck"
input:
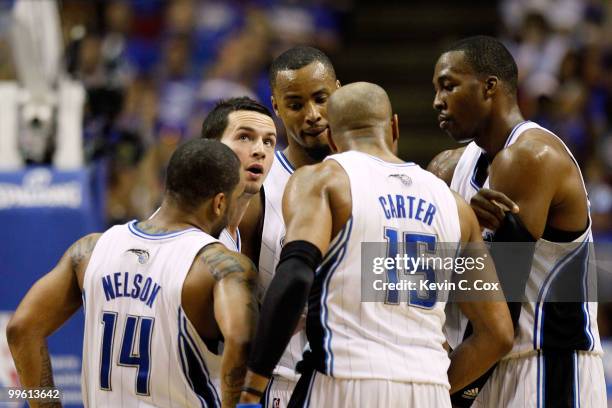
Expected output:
(493, 137)
(298, 157)
(373, 147)
(243, 204)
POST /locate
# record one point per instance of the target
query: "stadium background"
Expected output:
(152, 69)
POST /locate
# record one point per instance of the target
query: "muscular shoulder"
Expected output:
(220, 262)
(534, 153)
(443, 165)
(80, 252)
(321, 178)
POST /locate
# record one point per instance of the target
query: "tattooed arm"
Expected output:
(236, 313)
(46, 306)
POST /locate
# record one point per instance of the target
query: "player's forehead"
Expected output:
(452, 64)
(304, 82)
(249, 121)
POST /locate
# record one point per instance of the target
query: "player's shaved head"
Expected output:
(357, 106)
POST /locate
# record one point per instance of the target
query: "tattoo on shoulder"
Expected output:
(222, 262)
(82, 249)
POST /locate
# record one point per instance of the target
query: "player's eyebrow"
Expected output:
(250, 129)
(292, 96)
(320, 92)
(441, 79)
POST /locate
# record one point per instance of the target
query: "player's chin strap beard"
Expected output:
(318, 153)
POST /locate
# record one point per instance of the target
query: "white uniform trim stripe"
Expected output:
(329, 357)
(539, 315)
(576, 382)
(585, 304)
(185, 366)
(200, 358)
(540, 380)
(309, 393)
(183, 331)
(336, 244)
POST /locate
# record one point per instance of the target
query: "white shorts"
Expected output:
(327, 392)
(278, 393)
(546, 379)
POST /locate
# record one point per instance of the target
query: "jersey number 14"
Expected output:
(135, 349)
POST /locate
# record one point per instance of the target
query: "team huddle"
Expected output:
(245, 285)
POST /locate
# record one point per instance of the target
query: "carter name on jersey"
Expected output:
(399, 206)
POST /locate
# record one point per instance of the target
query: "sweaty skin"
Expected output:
(322, 192)
(536, 173)
(300, 101)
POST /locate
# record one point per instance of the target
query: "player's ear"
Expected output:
(274, 105)
(395, 132)
(219, 204)
(491, 85)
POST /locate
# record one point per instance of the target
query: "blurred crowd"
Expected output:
(152, 69)
(563, 49)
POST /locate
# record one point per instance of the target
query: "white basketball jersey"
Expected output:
(272, 239)
(226, 239)
(400, 340)
(140, 349)
(542, 324)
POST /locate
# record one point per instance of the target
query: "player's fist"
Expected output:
(491, 206)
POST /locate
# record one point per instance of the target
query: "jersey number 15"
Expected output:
(411, 243)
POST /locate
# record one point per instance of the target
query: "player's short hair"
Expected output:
(488, 56)
(296, 58)
(216, 121)
(199, 169)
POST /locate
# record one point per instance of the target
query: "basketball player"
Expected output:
(369, 354)
(556, 357)
(302, 79)
(246, 126)
(153, 292)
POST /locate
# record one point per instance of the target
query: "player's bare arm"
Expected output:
(46, 306)
(313, 193)
(493, 333)
(539, 177)
(235, 312)
(443, 165)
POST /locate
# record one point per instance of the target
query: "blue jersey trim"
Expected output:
(329, 358)
(197, 369)
(585, 304)
(538, 338)
(508, 140)
(156, 237)
(284, 162)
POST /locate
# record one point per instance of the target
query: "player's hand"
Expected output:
(491, 206)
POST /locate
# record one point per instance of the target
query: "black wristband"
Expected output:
(253, 391)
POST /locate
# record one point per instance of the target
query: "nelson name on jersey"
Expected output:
(400, 206)
(122, 284)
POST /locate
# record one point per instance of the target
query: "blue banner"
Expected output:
(42, 212)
